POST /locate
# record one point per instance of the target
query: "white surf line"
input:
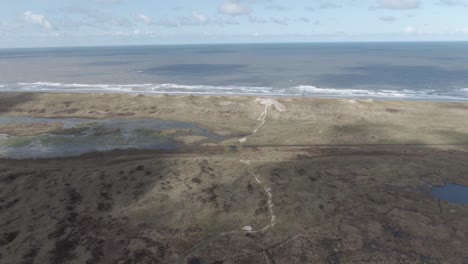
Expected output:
(267, 103)
(245, 229)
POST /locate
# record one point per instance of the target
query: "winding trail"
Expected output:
(267, 103)
(270, 198)
(246, 229)
(262, 118)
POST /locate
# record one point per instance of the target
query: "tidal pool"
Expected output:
(452, 193)
(79, 136)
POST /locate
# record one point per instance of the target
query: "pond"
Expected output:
(452, 193)
(79, 136)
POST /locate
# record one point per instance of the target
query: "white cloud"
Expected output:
(233, 8)
(196, 19)
(453, 2)
(79, 18)
(399, 4)
(36, 19)
(329, 5)
(447, 31)
(277, 8)
(409, 30)
(136, 33)
(144, 18)
(462, 30)
(200, 18)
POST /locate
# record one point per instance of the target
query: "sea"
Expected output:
(428, 71)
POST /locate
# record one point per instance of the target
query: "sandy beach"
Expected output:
(240, 180)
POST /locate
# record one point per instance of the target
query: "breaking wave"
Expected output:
(171, 88)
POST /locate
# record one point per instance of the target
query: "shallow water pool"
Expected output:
(80, 136)
(452, 193)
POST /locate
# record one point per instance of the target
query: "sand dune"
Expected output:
(316, 181)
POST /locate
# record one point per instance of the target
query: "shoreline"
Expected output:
(441, 99)
(459, 94)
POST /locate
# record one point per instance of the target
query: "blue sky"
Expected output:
(38, 23)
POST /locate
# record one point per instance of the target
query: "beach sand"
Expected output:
(293, 180)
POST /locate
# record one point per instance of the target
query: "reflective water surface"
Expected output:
(79, 136)
(452, 193)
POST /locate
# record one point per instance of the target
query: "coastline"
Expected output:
(300, 91)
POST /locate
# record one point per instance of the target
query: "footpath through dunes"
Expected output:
(268, 103)
(247, 230)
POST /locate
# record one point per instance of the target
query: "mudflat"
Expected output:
(250, 180)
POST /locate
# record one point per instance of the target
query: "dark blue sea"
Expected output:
(436, 71)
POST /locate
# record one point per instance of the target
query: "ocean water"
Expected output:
(435, 71)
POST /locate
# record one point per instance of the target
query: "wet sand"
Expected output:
(314, 181)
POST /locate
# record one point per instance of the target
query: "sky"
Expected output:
(50, 23)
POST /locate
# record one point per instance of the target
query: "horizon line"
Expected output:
(236, 43)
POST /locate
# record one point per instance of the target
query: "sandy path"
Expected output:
(270, 199)
(246, 229)
(267, 103)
